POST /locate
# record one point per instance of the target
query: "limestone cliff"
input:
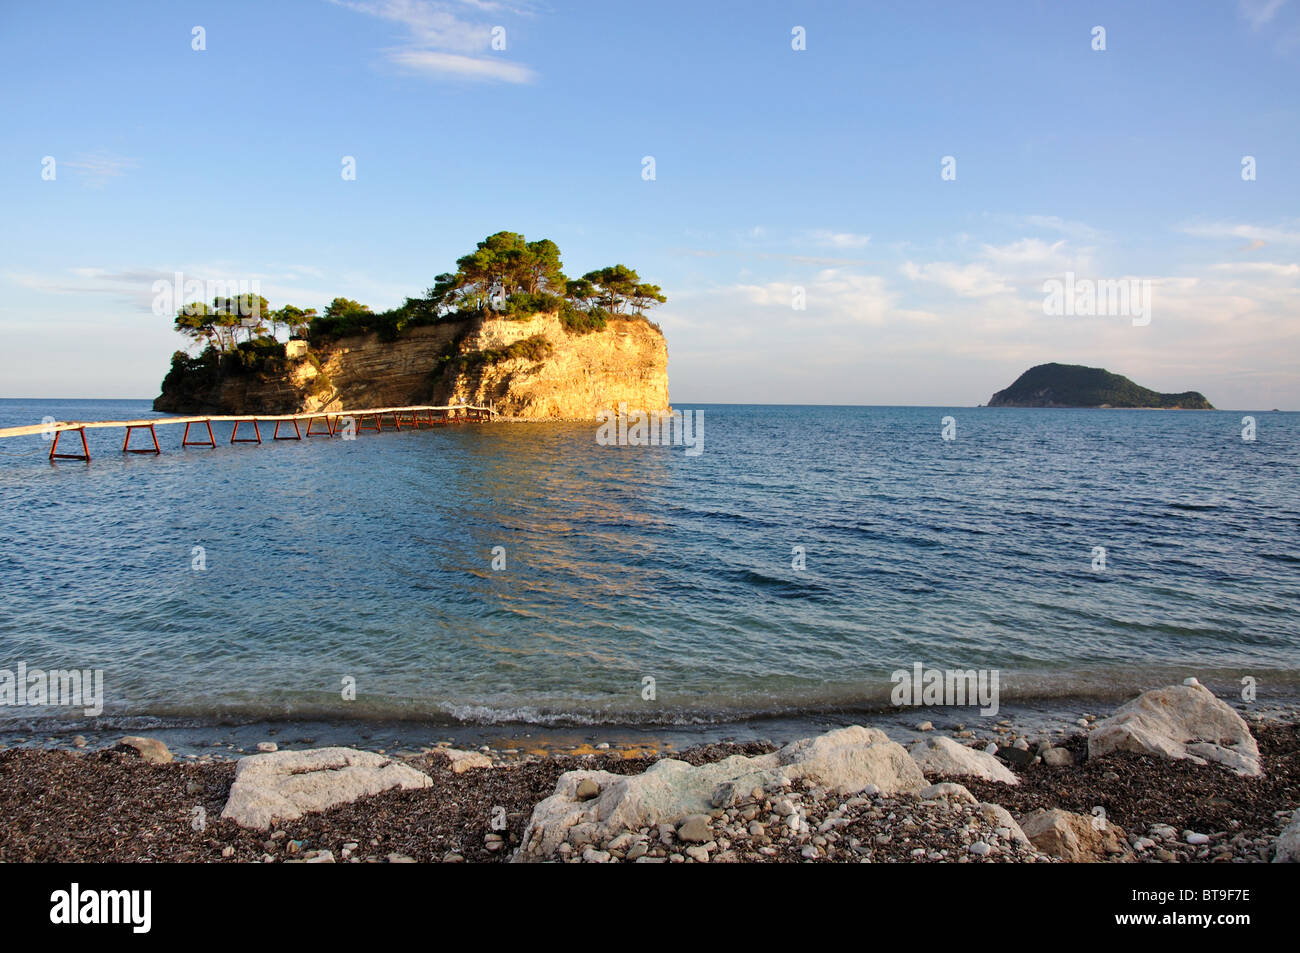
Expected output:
(531, 368)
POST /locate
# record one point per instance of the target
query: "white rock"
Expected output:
(948, 791)
(1196, 839)
(267, 747)
(1179, 722)
(947, 758)
(1001, 818)
(462, 761)
(287, 784)
(845, 761)
(980, 849)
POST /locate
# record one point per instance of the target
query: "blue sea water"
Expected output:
(371, 560)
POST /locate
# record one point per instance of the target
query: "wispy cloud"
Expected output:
(1257, 235)
(451, 38)
(1259, 13)
(832, 239)
(97, 168)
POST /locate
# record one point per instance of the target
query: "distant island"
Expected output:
(1073, 385)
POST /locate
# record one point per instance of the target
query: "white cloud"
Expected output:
(444, 42)
(969, 281)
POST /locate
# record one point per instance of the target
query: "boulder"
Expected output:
(1074, 837)
(946, 758)
(149, 749)
(846, 761)
(288, 784)
(1179, 722)
(1288, 842)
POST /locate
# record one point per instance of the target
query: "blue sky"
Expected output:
(776, 169)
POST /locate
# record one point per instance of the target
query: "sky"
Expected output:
(913, 177)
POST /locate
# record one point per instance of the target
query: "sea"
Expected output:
(508, 582)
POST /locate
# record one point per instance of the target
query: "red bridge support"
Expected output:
(234, 434)
(297, 433)
(329, 427)
(187, 442)
(85, 450)
(126, 443)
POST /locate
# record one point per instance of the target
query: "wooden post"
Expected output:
(85, 450)
(187, 442)
(126, 443)
(234, 438)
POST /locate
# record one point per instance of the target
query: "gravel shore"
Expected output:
(110, 805)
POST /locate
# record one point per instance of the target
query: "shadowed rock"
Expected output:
(1181, 721)
(846, 761)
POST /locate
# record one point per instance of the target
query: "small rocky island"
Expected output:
(506, 329)
(1073, 385)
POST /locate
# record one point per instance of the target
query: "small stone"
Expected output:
(980, 848)
(695, 828)
(451, 857)
(698, 854)
(587, 789)
(400, 859)
(1192, 837)
(227, 851)
(267, 747)
(79, 741)
(149, 749)
(925, 726)
(322, 857)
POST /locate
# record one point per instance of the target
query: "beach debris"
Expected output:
(1075, 838)
(845, 761)
(1179, 722)
(462, 761)
(287, 784)
(944, 757)
(149, 749)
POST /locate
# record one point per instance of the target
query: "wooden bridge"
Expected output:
(331, 423)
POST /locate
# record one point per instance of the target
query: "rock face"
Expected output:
(846, 760)
(285, 785)
(1074, 837)
(530, 368)
(1181, 721)
(947, 758)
